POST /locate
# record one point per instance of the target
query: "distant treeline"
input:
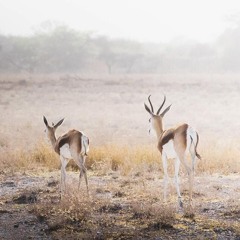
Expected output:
(65, 50)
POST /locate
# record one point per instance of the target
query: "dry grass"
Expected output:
(216, 158)
(20, 160)
(220, 158)
(100, 218)
(73, 207)
(124, 158)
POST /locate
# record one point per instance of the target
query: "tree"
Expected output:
(228, 46)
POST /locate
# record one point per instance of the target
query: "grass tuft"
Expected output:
(127, 160)
(124, 158)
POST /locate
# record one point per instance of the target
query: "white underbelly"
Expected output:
(168, 150)
(65, 151)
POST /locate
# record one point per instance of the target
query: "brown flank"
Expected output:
(179, 131)
(68, 138)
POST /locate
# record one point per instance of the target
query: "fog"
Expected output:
(119, 37)
(155, 21)
(61, 49)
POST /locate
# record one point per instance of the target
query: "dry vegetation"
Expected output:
(125, 172)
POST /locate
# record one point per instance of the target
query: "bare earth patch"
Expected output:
(118, 208)
(125, 199)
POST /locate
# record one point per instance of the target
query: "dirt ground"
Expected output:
(216, 208)
(109, 110)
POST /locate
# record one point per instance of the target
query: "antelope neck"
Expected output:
(53, 140)
(159, 129)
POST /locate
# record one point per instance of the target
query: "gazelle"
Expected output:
(174, 143)
(72, 145)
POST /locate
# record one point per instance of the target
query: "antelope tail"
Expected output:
(195, 145)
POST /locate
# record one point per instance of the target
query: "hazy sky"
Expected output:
(144, 20)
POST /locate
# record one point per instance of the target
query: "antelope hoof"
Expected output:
(180, 203)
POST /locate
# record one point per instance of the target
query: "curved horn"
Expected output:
(147, 109)
(166, 110)
(164, 100)
(150, 103)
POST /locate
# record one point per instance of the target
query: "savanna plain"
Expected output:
(124, 166)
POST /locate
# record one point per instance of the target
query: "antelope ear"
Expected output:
(165, 111)
(45, 121)
(147, 109)
(59, 123)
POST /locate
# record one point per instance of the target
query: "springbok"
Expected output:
(72, 145)
(174, 143)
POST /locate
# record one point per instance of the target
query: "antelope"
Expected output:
(174, 143)
(72, 145)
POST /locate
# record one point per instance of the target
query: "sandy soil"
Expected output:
(216, 207)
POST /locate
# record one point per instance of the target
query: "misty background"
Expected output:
(95, 62)
(63, 49)
(165, 37)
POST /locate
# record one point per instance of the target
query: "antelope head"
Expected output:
(156, 118)
(50, 131)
